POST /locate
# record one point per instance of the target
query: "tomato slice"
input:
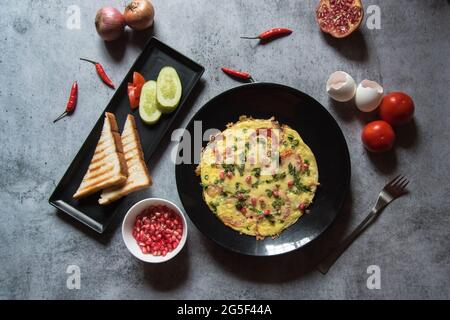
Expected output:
(132, 96)
(138, 82)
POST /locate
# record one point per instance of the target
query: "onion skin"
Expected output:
(110, 23)
(139, 14)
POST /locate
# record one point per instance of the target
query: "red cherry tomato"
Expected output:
(397, 108)
(134, 100)
(378, 136)
(138, 82)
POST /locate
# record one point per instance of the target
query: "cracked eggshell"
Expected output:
(341, 86)
(368, 95)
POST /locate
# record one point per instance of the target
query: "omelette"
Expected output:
(258, 177)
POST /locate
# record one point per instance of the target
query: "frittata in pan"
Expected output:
(258, 176)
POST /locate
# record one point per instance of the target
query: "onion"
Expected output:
(110, 23)
(139, 14)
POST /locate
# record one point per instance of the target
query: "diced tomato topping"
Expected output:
(248, 179)
(254, 202)
(222, 175)
(305, 167)
(266, 212)
(290, 184)
(301, 207)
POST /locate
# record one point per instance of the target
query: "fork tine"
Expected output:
(404, 185)
(394, 181)
(400, 182)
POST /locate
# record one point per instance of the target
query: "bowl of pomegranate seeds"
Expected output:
(154, 230)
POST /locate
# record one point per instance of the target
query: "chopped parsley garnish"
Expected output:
(297, 180)
(229, 167)
(269, 193)
(291, 169)
(277, 203)
(241, 169)
(241, 202)
(271, 218)
(278, 176)
(256, 172)
(213, 206)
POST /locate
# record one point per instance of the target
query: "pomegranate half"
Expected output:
(339, 18)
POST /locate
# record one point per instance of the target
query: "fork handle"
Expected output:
(328, 261)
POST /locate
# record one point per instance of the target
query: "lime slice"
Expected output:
(168, 90)
(147, 105)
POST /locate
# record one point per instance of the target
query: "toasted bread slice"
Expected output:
(138, 176)
(108, 167)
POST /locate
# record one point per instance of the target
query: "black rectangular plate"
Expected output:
(155, 56)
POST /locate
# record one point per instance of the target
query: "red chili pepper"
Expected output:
(271, 33)
(101, 72)
(71, 104)
(238, 74)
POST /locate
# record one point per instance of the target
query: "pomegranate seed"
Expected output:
(290, 184)
(248, 179)
(266, 212)
(222, 175)
(243, 210)
(157, 230)
(302, 207)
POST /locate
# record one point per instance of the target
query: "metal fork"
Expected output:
(390, 192)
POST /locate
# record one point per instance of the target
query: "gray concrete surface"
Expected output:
(39, 60)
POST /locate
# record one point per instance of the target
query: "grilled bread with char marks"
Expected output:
(108, 167)
(138, 176)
